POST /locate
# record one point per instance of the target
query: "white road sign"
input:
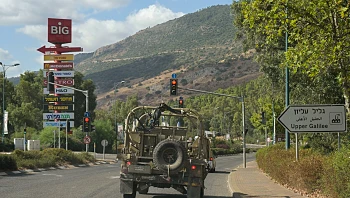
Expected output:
(56, 124)
(314, 118)
(53, 116)
(61, 73)
(104, 143)
(59, 91)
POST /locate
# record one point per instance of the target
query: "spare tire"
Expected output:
(169, 154)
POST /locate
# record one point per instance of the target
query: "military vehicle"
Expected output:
(159, 155)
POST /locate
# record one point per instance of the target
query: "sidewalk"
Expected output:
(251, 182)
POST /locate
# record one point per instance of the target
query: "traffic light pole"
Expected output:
(86, 94)
(243, 116)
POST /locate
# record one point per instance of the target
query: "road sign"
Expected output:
(104, 143)
(314, 118)
(44, 49)
(59, 30)
(59, 107)
(87, 139)
(56, 124)
(59, 57)
(59, 91)
(59, 99)
(59, 116)
(62, 65)
(87, 114)
(60, 73)
(62, 81)
(173, 75)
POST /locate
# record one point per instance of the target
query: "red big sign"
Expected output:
(59, 31)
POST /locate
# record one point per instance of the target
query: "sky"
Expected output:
(95, 23)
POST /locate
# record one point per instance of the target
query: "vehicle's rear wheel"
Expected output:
(169, 154)
(145, 191)
(133, 195)
(129, 196)
(195, 192)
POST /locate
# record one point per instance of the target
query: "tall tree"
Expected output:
(318, 39)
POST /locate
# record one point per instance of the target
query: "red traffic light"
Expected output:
(86, 119)
(173, 82)
(180, 101)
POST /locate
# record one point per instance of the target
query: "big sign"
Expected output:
(59, 31)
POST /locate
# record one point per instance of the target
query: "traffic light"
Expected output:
(93, 128)
(51, 79)
(263, 119)
(181, 102)
(68, 126)
(173, 87)
(86, 124)
(24, 130)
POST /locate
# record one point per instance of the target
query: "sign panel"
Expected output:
(59, 107)
(87, 139)
(64, 65)
(104, 143)
(60, 73)
(59, 30)
(314, 118)
(59, 116)
(64, 49)
(6, 117)
(57, 124)
(62, 81)
(59, 91)
(59, 99)
(58, 57)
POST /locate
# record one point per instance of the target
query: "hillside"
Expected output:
(198, 47)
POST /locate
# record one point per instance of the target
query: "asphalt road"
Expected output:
(103, 181)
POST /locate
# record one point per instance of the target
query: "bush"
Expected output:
(48, 158)
(313, 172)
(7, 162)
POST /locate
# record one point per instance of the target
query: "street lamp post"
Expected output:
(3, 97)
(115, 114)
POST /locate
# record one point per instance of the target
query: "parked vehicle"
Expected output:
(160, 155)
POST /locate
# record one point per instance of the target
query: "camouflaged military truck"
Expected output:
(158, 155)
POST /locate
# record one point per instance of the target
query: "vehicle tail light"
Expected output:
(211, 159)
(193, 167)
(128, 163)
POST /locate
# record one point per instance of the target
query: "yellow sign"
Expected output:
(59, 57)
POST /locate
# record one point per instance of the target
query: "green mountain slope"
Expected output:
(198, 46)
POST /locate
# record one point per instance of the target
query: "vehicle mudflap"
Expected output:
(195, 192)
(127, 187)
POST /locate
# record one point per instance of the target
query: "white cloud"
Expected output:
(92, 33)
(33, 12)
(151, 16)
(5, 55)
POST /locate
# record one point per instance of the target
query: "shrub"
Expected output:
(7, 162)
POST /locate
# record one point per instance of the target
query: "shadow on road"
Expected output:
(220, 172)
(242, 195)
(158, 195)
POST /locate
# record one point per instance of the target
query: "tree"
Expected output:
(318, 33)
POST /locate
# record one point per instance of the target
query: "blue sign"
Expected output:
(173, 75)
(181, 98)
(87, 114)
